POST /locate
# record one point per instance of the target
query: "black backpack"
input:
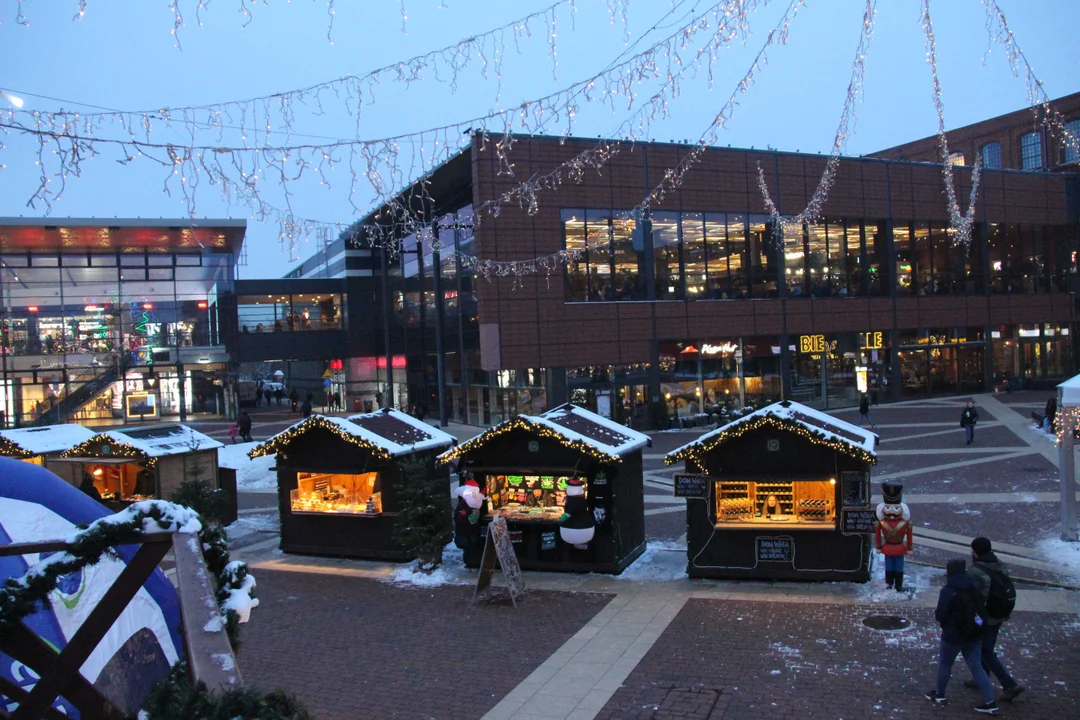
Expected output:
(1001, 598)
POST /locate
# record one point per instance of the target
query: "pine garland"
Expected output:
(22, 597)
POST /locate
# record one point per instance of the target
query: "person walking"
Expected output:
(998, 596)
(959, 612)
(968, 418)
(243, 425)
(306, 407)
(277, 396)
(294, 398)
(864, 411)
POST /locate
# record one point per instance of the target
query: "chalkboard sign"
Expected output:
(854, 489)
(499, 550)
(691, 486)
(858, 521)
(547, 540)
(775, 549)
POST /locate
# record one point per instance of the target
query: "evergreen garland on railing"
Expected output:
(21, 597)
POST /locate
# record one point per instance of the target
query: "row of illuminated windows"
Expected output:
(1031, 150)
(290, 313)
(735, 255)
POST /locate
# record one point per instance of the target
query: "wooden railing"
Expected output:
(209, 653)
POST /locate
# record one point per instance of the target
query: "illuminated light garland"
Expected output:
(117, 449)
(789, 226)
(237, 170)
(14, 450)
(282, 439)
(541, 431)
(997, 28)
(959, 222)
(737, 428)
(1059, 431)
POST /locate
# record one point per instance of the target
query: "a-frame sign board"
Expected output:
(499, 550)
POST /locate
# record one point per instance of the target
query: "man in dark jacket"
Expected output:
(958, 613)
(306, 407)
(984, 564)
(243, 425)
(968, 418)
(864, 411)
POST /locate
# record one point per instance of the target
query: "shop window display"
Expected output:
(128, 482)
(336, 493)
(523, 498)
(804, 503)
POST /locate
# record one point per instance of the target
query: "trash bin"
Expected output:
(356, 404)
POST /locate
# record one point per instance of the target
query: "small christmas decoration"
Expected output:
(577, 524)
(471, 507)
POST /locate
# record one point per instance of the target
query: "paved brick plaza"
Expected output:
(588, 646)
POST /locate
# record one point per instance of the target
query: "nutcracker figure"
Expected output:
(893, 535)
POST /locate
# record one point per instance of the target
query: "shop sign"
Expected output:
(689, 485)
(860, 522)
(722, 349)
(534, 446)
(547, 541)
(853, 487)
(499, 551)
(872, 340)
(813, 344)
(775, 549)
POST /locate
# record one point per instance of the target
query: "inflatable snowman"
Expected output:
(577, 525)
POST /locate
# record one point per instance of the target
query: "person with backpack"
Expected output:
(968, 418)
(998, 595)
(960, 613)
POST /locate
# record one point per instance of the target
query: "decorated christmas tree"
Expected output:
(423, 523)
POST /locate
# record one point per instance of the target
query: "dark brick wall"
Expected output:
(529, 322)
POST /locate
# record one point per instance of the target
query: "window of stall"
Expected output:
(810, 504)
(528, 497)
(123, 481)
(355, 494)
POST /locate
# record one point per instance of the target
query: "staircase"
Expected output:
(92, 384)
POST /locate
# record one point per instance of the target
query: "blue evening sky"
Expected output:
(121, 55)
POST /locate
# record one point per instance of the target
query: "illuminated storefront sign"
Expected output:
(726, 348)
(812, 344)
(872, 340)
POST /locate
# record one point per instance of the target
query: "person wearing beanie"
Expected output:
(959, 612)
(998, 596)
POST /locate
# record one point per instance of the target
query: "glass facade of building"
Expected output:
(100, 318)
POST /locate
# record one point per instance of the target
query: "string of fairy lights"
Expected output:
(536, 429)
(245, 156)
(792, 226)
(960, 222)
(66, 140)
(998, 31)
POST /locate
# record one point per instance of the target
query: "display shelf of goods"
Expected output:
(336, 494)
(525, 498)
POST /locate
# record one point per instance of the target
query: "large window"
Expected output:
(1071, 141)
(991, 156)
(1031, 152)
(667, 271)
(290, 313)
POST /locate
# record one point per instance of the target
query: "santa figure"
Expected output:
(471, 507)
(893, 536)
(577, 524)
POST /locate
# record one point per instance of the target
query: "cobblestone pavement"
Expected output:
(777, 660)
(354, 648)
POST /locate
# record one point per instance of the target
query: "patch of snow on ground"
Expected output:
(916, 581)
(1049, 437)
(661, 562)
(256, 522)
(251, 475)
(451, 572)
(1062, 553)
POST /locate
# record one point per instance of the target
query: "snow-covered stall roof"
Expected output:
(573, 426)
(1070, 392)
(153, 442)
(815, 426)
(28, 442)
(387, 432)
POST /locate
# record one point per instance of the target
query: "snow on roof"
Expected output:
(393, 433)
(157, 440)
(821, 429)
(574, 426)
(28, 442)
(1070, 392)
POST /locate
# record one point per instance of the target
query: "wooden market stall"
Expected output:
(530, 470)
(43, 445)
(140, 463)
(339, 481)
(780, 493)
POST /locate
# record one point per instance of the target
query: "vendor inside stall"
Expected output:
(780, 493)
(569, 484)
